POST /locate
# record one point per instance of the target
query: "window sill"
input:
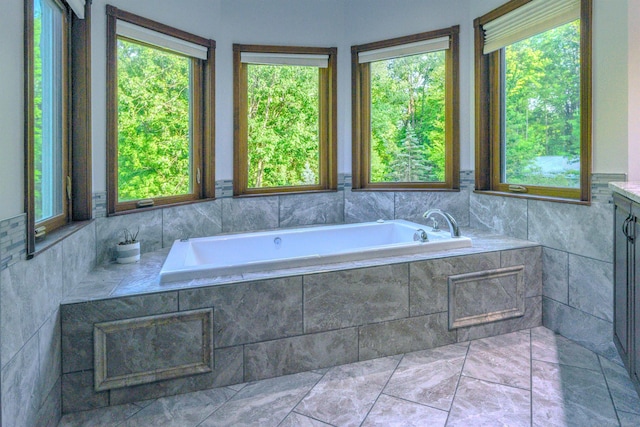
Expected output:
(533, 197)
(156, 207)
(407, 189)
(283, 193)
(58, 236)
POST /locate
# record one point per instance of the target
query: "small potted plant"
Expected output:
(128, 250)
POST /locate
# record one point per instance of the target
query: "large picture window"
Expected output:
(160, 114)
(533, 100)
(285, 134)
(405, 116)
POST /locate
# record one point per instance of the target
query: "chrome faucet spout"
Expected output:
(453, 225)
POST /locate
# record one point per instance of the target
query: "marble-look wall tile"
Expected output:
(77, 323)
(20, 397)
(531, 319)
(49, 355)
(51, 410)
(309, 209)
(250, 312)
(429, 287)
(79, 256)
(581, 230)
(501, 215)
(589, 331)
(355, 297)
(591, 286)
(531, 258)
(228, 370)
(299, 354)
(194, 220)
(30, 293)
(78, 393)
(411, 205)
(555, 275)
(364, 206)
(404, 335)
(109, 233)
(250, 213)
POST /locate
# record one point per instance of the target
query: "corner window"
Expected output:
(405, 112)
(533, 105)
(285, 119)
(160, 138)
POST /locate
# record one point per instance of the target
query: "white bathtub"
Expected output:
(271, 250)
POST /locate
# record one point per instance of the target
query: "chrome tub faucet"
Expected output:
(453, 225)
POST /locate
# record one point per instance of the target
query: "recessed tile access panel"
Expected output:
(147, 349)
(486, 296)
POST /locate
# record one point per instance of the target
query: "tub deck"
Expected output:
(121, 280)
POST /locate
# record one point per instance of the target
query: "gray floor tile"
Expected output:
(429, 377)
(504, 359)
(629, 420)
(481, 403)
(548, 346)
(263, 403)
(181, 410)
(103, 417)
(625, 397)
(297, 420)
(346, 393)
(389, 411)
(570, 396)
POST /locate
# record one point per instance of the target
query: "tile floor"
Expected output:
(532, 377)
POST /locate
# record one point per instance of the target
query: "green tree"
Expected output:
(407, 119)
(154, 140)
(542, 108)
(283, 125)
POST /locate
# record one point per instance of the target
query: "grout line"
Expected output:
(304, 397)
(382, 389)
(455, 393)
(531, 377)
(221, 406)
(604, 375)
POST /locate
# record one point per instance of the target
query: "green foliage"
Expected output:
(283, 125)
(408, 119)
(154, 141)
(543, 107)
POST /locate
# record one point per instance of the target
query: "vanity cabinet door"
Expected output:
(634, 230)
(622, 297)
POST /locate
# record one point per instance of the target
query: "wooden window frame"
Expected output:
(327, 171)
(361, 115)
(202, 128)
(76, 117)
(488, 130)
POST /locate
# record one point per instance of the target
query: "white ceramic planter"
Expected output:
(127, 254)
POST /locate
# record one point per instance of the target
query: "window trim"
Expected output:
(203, 102)
(488, 130)
(361, 105)
(327, 137)
(76, 123)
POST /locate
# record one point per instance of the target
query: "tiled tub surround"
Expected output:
(272, 324)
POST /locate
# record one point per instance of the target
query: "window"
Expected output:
(55, 88)
(533, 99)
(405, 112)
(160, 114)
(285, 119)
